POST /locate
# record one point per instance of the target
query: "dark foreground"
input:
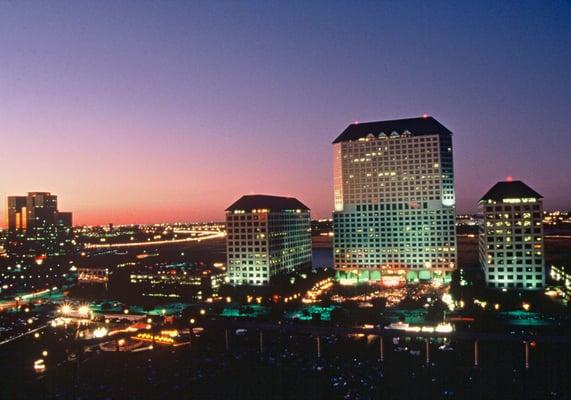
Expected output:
(288, 368)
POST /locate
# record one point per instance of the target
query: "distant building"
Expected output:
(562, 278)
(42, 210)
(17, 212)
(36, 227)
(92, 275)
(267, 236)
(511, 237)
(394, 202)
(179, 281)
(65, 219)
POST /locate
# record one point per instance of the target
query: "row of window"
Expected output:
(521, 285)
(512, 208)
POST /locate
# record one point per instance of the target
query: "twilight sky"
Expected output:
(168, 111)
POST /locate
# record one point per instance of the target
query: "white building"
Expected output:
(511, 237)
(266, 236)
(394, 201)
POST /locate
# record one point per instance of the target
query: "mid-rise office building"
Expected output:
(511, 237)
(267, 236)
(394, 202)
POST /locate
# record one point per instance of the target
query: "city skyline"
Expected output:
(142, 115)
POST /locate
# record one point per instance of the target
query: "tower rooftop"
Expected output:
(264, 201)
(420, 126)
(510, 190)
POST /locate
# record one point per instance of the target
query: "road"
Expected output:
(205, 236)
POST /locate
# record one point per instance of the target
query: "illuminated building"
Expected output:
(175, 281)
(36, 227)
(266, 236)
(92, 275)
(511, 237)
(16, 212)
(394, 202)
(562, 278)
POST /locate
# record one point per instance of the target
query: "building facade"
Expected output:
(16, 213)
(394, 218)
(511, 237)
(42, 210)
(266, 236)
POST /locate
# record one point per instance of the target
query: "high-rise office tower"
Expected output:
(266, 236)
(16, 213)
(511, 237)
(394, 217)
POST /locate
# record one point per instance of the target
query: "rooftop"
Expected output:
(420, 126)
(264, 201)
(510, 190)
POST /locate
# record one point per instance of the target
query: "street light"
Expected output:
(83, 311)
(65, 309)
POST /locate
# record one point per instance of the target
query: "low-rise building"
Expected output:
(176, 281)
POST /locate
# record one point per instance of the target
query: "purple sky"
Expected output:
(169, 111)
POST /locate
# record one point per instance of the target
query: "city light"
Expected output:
(100, 332)
(66, 309)
(444, 328)
(39, 365)
(147, 337)
(83, 311)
